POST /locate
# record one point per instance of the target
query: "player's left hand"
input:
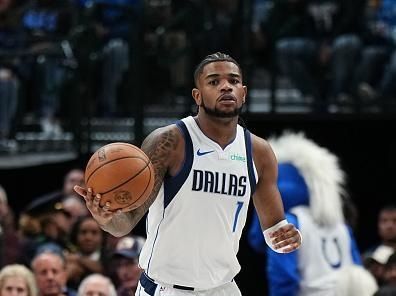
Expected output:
(286, 239)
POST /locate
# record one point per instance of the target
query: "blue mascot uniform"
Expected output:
(311, 185)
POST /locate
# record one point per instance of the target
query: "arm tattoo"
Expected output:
(158, 146)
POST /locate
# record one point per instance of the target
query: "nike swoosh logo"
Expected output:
(200, 153)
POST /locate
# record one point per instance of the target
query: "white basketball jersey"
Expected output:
(196, 221)
(324, 251)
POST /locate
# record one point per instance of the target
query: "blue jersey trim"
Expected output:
(249, 157)
(172, 184)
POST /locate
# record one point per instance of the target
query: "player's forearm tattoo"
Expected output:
(158, 148)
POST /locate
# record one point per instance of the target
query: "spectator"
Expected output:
(89, 254)
(11, 40)
(10, 245)
(71, 201)
(17, 280)
(73, 177)
(49, 269)
(97, 284)
(127, 270)
(51, 224)
(75, 207)
(390, 271)
(375, 261)
(311, 195)
(49, 218)
(172, 34)
(47, 24)
(377, 256)
(317, 37)
(115, 24)
(375, 73)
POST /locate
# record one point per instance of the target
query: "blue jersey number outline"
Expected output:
(334, 241)
(238, 210)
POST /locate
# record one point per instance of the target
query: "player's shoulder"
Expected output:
(260, 145)
(164, 146)
(169, 134)
(263, 154)
(167, 139)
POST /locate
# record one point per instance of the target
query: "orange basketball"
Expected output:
(122, 173)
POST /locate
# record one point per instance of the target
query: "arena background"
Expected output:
(33, 164)
(366, 147)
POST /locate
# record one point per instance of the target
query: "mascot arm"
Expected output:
(282, 270)
(255, 235)
(354, 249)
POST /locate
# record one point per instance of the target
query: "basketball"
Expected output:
(123, 175)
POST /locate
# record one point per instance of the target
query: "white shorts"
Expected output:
(149, 288)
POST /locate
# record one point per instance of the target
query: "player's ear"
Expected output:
(196, 94)
(244, 96)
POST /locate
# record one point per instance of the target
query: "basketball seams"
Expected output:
(134, 176)
(130, 146)
(120, 158)
(110, 161)
(147, 186)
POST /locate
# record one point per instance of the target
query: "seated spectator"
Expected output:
(127, 270)
(49, 269)
(376, 73)
(73, 177)
(75, 207)
(115, 24)
(97, 284)
(390, 271)
(89, 254)
(71, 201)
(10, 246)
(375, 260)
(11, 40)
(49, 223)
(386, 225)
(17, 280)
(315, 40)
(47, 24)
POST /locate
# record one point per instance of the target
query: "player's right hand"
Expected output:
(102, 215)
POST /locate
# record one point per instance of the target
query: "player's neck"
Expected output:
(220, 130)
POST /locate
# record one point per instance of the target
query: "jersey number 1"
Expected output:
(238, 210)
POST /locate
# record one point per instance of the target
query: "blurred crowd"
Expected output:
(65, 58)
(58, 55)
(55, 247)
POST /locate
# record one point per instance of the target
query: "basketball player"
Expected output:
(206, 169)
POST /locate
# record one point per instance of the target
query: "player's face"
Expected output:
(220, 92)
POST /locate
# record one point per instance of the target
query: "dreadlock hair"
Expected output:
(215, 57)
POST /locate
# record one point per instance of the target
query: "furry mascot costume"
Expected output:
(311, 184)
